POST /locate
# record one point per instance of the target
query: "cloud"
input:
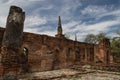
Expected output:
(102, 26)
(68, 8)
(32, 21)
(44, 8)
(2, 21)
(50, 33)
(97, 12)
(70, 26)
(46, 32)
(82, 29)
(94, 11)
(114, 13)
(34, 30)
(36, 0)
(79, 17)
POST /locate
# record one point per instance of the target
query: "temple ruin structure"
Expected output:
(23, 51)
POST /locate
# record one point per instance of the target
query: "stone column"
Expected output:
(86, 55)
(12, 43)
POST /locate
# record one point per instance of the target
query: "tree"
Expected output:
(100, 36)
(118, 32)
(90, 38)
(115, 42)
(67, 36)
(115, 45)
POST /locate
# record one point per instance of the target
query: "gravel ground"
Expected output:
(70, 74)
(92, 76)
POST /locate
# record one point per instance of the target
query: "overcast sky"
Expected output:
(79, 17)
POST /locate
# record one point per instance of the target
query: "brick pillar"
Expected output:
(86, 55)
(12, 42)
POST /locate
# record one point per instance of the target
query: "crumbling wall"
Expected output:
(12, 42)
(48, 53)
(103, 53)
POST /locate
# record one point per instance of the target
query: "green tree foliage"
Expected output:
(115, 45)
(115, 42)
(91, 38)
(118, 32)
(100, 36)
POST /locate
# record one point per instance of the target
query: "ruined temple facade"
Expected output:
(43, 52)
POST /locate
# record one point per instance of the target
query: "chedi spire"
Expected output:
(75, 37)
(59, 29)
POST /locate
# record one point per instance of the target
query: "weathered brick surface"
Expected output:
(12, 43)
(47, 53)
(55, 53)
(44, 52)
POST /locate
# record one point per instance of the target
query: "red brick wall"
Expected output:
(48, 53)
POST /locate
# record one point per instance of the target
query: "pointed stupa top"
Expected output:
(59, 30)
(75, 37)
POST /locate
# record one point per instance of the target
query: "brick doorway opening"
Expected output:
(24, 61)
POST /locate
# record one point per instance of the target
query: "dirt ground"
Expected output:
(72, 74)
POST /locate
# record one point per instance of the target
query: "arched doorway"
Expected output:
(56, 61)
(91, 55)
(24, 60)
(107, 57)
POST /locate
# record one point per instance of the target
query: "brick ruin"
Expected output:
(23, 51)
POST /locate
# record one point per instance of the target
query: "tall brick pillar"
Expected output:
(105, 51)
(86, 57)
(12, 42)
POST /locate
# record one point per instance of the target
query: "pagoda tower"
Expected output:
(59, 29)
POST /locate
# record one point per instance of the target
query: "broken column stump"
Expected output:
(12, 43)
